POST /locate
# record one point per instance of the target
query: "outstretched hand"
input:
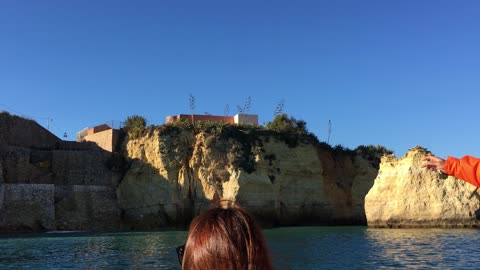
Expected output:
(433, 163)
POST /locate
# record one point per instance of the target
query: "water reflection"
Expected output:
(317, 247)
(148, 250)
(363, 248)
(292, 248)
(423, 248)
(406, 248)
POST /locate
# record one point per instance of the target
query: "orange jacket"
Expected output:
(467, 168)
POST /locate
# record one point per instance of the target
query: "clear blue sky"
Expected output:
(391, 73)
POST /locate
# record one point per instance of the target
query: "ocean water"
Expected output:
(291, 248)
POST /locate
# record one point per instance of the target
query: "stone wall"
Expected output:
(26, 165)
(41, 207)
(83, 168)
(27, 207)
(52, 184)
(86, 207)
(60, 167)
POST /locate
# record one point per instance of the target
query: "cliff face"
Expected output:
(406, 195)
(174, 174)
(166, 177)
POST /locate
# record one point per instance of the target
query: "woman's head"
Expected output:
(226, 237)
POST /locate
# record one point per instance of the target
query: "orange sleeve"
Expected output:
(467, 168)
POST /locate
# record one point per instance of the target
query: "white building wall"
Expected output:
(251, 119)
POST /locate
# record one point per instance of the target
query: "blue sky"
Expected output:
(391, 73)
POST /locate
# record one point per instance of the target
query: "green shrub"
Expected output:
(339, 150)
(372, 153)
(135, 125)
(184, 123)
(283, 123)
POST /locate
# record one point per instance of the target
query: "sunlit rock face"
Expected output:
(406, 195)
(159, 188)
(175, 173)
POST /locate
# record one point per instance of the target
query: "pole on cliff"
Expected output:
(329, 131)
(48, 122)
(191, 101)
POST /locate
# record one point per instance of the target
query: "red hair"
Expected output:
(226, 238)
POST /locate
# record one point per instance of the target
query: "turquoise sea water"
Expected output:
(291, 248)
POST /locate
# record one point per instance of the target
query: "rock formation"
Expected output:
(284, 180)
(405, 195)
(169, 174)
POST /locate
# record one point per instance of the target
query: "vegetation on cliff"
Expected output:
(135, 125)
(249, 138)
(373, 153)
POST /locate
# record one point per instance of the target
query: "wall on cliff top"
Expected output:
(406, 195)
(283, 180)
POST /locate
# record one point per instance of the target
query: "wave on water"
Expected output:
(63, 232)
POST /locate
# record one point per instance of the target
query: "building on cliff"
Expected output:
(251, 119)
(103, 135)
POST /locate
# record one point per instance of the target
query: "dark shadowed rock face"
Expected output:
(19, 131)
(47, 184)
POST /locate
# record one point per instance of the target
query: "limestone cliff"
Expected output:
(284, 180)
(405, 195)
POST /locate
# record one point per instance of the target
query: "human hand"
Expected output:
(433, 163)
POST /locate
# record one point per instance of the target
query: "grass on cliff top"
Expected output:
(290, 132)
(284, 128)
